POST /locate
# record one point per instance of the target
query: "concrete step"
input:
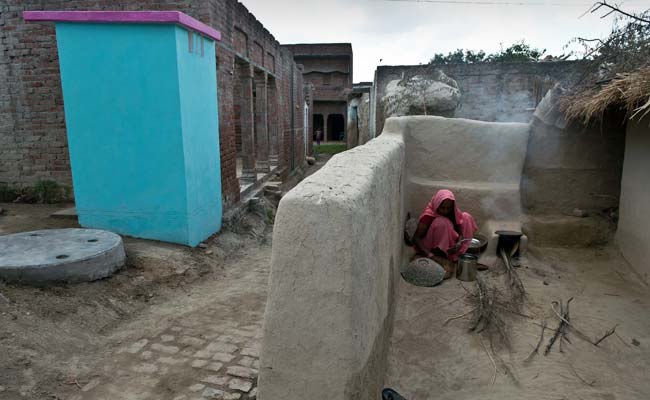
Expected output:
(270, 191)
(66, 213)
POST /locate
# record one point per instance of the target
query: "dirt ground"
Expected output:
(174, 323)
(429, 359)
(57, 339)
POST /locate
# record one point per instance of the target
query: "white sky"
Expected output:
(401, 32)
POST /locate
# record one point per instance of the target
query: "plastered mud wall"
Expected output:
(574, 167)
(481, 162)
(337, 246)
(633, 235)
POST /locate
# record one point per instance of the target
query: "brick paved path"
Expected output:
(208, 352)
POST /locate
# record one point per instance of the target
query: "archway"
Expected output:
(335, 127)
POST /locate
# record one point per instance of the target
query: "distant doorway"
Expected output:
(319, 124)
(335, 127)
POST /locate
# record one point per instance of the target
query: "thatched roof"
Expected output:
(627, 91)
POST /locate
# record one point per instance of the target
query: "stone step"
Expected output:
(66, 213)
(272, 191)
(275, 185)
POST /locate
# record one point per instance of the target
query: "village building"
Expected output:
(263, 101)
(320, 288)
(359, 114)
(328, 67)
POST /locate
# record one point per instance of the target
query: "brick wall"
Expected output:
(32, 124)
(496, 92)
(328, 67)
(309, 129)
(327, 71)
(329, 64)
(321, 49)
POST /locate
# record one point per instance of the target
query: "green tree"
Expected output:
(517, 52)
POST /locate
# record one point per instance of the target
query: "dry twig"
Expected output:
(454, 300)
(514, 282)
(73, 381)
(2, 296)
(565, 320)
(579, 377)
(541, 340)
(494, 364)
(487, 317)
(560, 329)
(607, 334)
(458, 316)
(613, 9)
(576, 330)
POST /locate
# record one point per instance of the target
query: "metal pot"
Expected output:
(478, 244)
(467, 267)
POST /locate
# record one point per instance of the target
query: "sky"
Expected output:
(402, 32)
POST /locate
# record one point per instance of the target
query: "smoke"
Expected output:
(499, 209)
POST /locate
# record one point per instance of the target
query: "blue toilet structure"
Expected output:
(140, 98)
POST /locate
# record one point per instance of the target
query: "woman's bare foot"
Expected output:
(446, 264)
(448, 271)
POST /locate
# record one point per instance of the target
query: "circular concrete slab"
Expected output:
(60, 255)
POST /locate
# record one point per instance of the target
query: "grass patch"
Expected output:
(48, 192)
(8, 193)
(44, 191)
(330, 148)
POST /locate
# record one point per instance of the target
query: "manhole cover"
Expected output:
(60, 255)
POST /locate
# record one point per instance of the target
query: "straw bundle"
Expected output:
(627, 91)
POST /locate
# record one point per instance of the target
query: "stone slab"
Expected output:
(60, 255)
(66, 213)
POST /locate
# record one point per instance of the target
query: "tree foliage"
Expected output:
(626, 49)
(615, 70)
(517, 52)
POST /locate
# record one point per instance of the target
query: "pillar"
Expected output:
(261, 122)
(247, 121)
(274, 120)
(325, 119)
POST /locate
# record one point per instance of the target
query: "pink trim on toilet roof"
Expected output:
(144, 17)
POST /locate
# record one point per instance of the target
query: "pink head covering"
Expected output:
(432, 208)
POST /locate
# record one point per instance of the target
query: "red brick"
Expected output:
(33, 112)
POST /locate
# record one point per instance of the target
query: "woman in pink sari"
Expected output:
(442, 226)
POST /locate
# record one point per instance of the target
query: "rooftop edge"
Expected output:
(145, 17)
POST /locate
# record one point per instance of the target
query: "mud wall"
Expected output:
(633, 234)
(364, 118)
(493, 92)
(575, 167)
(481, 162)
(337, 246)
(352, 131)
